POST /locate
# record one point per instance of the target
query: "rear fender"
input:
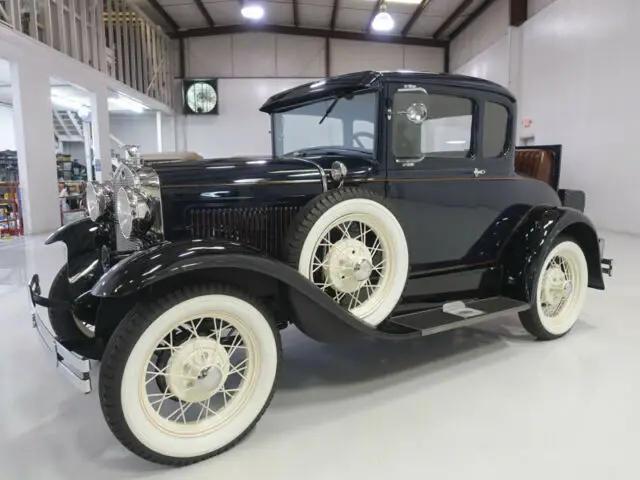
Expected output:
(169, 264)
(532, 241)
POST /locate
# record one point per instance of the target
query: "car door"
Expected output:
(431, 172)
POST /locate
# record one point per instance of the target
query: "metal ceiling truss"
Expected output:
(416, 15)
(441, 38)
(452, 18)
(163, 13)
(310, 32)
(471, 18)
(204, 12)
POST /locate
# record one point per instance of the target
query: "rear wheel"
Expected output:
(350, 245)
(559, 291)
(186, 377)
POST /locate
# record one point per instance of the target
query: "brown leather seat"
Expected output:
(535, 163)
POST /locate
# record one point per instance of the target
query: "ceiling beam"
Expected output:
(204, 12)
(471, 18)
(334, 14)
(296, 16)
(452, 18)
(309, 32)
(376, 9)
(416, 15)
(163, 13)
(517, 12)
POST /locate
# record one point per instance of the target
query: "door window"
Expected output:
(446, 132)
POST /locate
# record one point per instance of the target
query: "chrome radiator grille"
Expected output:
(263, 228)
(123, 177)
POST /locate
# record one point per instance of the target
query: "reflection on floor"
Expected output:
(480, 402)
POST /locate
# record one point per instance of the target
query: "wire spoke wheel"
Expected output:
(349, 263)
(186, 376)
(560, 292)
(351, 246)
(197, 370)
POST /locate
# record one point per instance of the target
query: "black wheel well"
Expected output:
(268, 289)
(584, 236)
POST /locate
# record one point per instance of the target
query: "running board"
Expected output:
(459, 314)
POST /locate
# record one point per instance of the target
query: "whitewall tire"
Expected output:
(560, 291)
(187, 376)
(350, 244)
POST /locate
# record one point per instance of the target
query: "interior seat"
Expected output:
(535, 163)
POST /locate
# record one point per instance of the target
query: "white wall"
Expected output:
(482, 33)
(132, 129)
(7, 134)
(239, 129)
(271, 55)
(572, 67)
(490, 64)
(534, 6)
(580, 65)
(258, 65)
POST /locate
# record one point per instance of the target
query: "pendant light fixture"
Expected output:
(382, 22)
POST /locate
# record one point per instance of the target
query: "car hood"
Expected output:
(237, 171)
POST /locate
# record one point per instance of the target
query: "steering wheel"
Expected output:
(363, 135)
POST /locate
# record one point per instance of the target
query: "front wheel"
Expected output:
(559, 292)
(187, 376)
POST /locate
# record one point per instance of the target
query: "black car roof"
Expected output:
(371, 80)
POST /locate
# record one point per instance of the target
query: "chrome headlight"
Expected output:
(134, 212)
(99, 198)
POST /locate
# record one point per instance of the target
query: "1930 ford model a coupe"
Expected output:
(390, 207)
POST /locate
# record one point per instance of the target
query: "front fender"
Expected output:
(84, 240)
(532, 240)
(313, 311)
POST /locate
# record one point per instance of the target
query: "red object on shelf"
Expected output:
(11, 224)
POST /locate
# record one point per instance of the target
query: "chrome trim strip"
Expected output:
(323, 175)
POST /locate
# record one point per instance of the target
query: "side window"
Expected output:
(495, 126)
(446, 131)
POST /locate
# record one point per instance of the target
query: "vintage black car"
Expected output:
(394, 205)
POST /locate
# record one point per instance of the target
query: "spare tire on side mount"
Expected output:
(349, 243)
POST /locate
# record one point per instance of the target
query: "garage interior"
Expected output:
(79, 80)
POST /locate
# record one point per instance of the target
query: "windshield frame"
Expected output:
(332, 96)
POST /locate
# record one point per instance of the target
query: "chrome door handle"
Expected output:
(477, 172)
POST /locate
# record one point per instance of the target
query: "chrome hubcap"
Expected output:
(350, 263)
(557, 286)
(198, 370)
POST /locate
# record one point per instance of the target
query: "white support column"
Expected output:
(35, 145)
(159, 131)
(88, 148)
(101, 134)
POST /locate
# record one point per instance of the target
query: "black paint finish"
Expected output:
(470, 237)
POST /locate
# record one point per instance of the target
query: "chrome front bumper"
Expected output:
(606, 264)
(75, 368)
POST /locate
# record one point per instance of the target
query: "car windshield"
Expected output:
(349, 125)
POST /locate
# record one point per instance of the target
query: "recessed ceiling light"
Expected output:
(252, 11)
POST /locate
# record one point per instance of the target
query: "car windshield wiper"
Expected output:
(326, 114)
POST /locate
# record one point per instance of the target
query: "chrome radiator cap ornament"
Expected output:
(133, 157)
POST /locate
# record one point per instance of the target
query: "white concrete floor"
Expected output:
(482, 402)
